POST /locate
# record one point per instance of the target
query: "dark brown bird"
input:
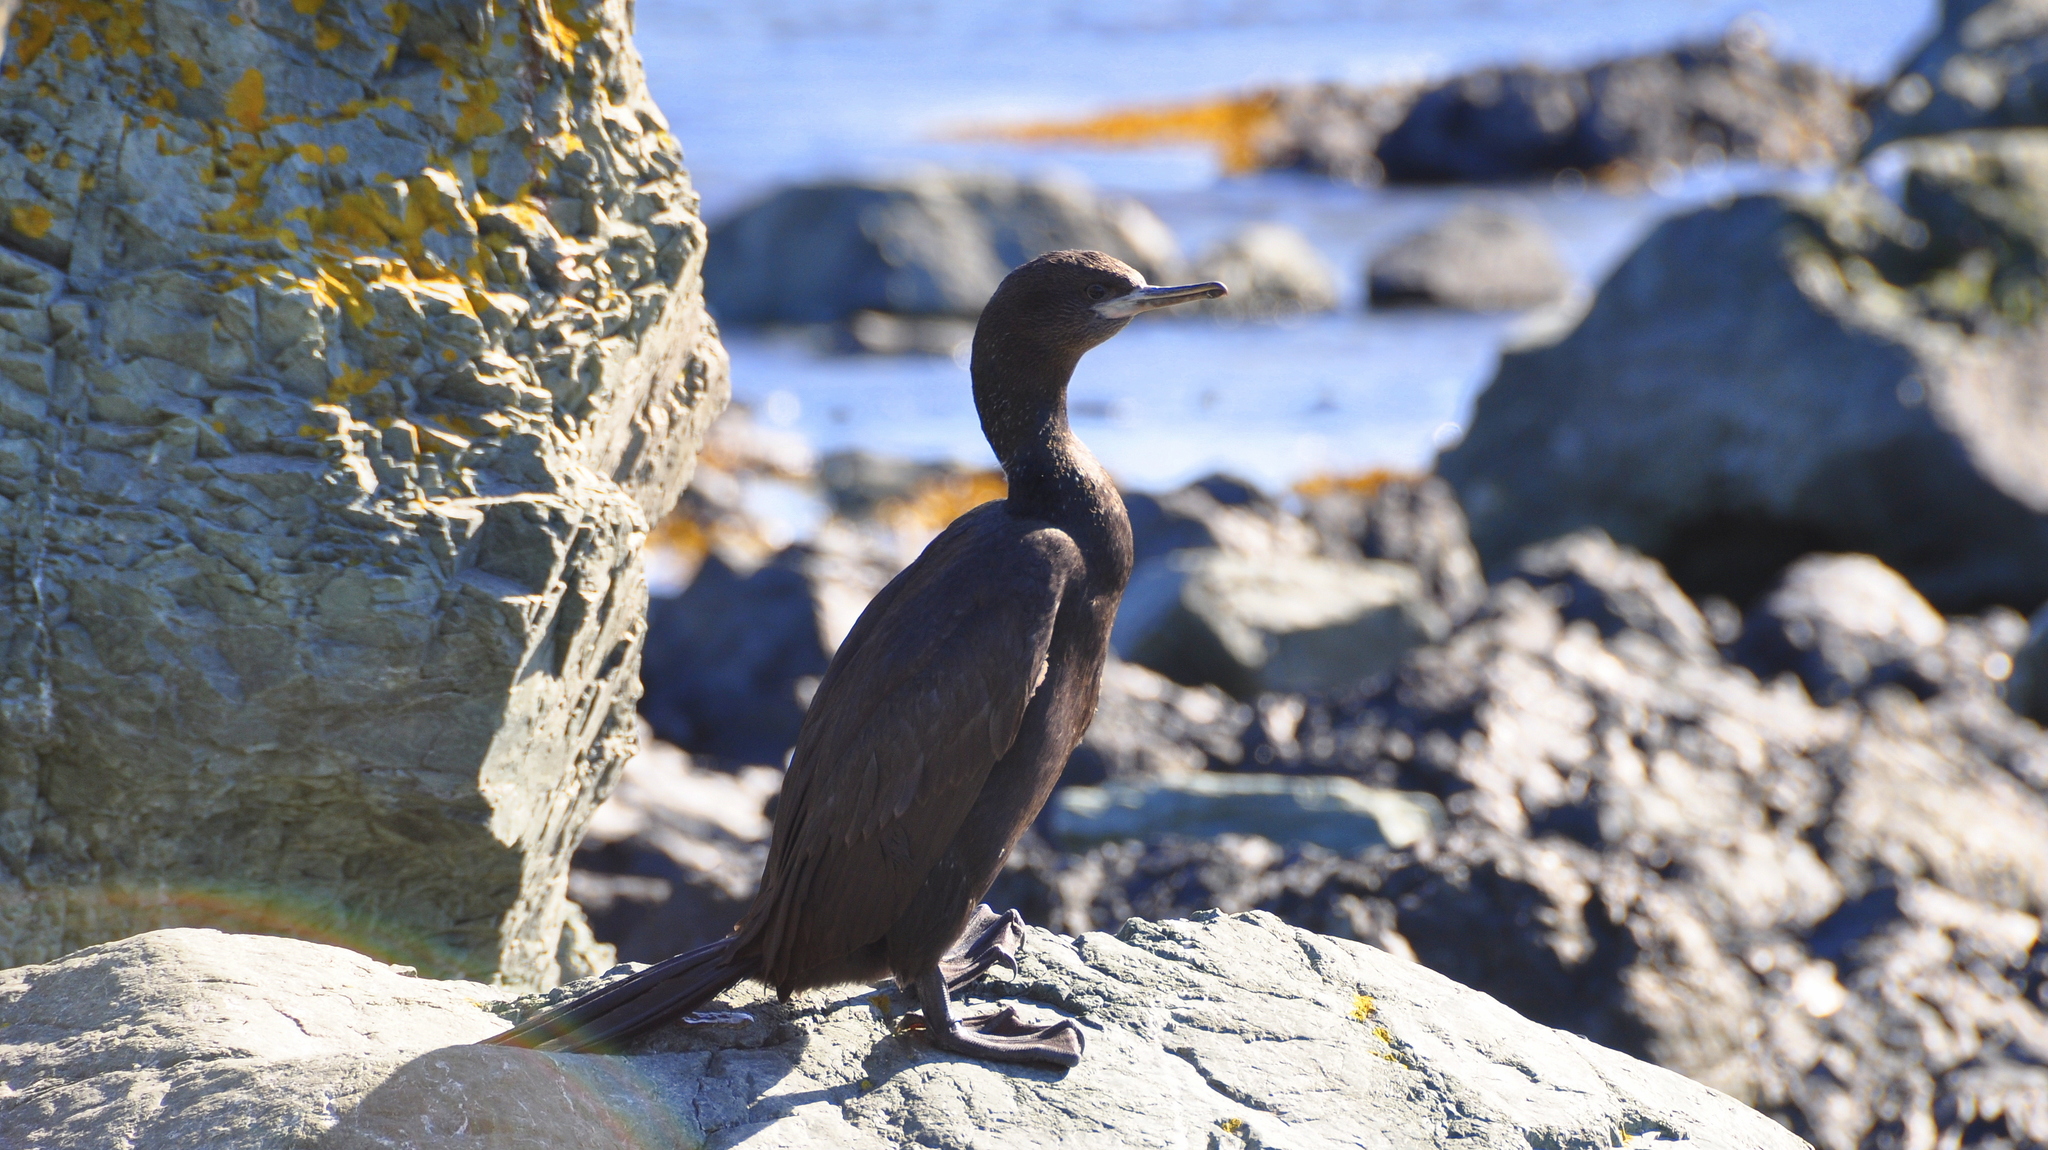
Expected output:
(944, 720)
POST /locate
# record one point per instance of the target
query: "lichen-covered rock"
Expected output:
(1756, 379)
(348, 350)
(1222, 1032)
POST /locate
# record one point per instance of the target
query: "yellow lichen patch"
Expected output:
(117, 24)
(63, 162)
(1383, 1034)
(561, 27)
(480, 164)
(350, 382)
(1362, 1007)
(31, 220)
(1230, 1125)
(35, 152)
(337, 154)
(326, 39)
(245, 102)
(306, 7)
(188, 70)
(476, 116)
(400, 13)
(1235, 127)
(312, 153)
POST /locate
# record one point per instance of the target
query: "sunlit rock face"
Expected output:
(346, 350)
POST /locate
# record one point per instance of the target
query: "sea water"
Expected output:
(771, 92)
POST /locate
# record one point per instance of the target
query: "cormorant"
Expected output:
(944, 719)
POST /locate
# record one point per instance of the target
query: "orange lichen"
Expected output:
(936, 502)
(245, 101)
(1234, 126)
(1360, 483)
(32, 220)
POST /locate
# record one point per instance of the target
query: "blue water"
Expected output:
(773, 91)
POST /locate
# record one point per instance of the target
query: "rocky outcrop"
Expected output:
(1831, 912)
(1730, 99)
(934, 244)
(1477, 259)
(1986, 66)
(1226, 1031)
(1272, 271)
(2028, 690)
(1757, 380)
(348, 353)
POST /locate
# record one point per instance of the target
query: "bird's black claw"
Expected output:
(990, 940)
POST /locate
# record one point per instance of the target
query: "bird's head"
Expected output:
(1077, 299)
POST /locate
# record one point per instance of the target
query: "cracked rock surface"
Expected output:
(346, 349)
(1225, 1031)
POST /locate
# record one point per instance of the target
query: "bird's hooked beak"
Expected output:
(1146, 298)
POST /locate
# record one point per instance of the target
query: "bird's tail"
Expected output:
(633, 1005)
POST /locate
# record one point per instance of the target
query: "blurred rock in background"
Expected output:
(929, 245)
(1627, 118)
(1986, 66)
(1273, 272)
(1477, 259)
(1788, 374)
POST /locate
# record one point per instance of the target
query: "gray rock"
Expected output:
(1477, 259)
(1985, 66)
(324, 482)
(934, 244)
(1332, 129)
(1147, 726)
(2028, 689)
(1335, 813)
(1843, 623)
(1730, 99)
(1832, 913)
(1228, 1031)
(1218, 511)
(1403, 519)
(1750, 384)
(1283, 624)
(1272, 271)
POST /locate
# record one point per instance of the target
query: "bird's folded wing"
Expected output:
(927, 692)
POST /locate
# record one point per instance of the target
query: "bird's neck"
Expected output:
(1022, 400)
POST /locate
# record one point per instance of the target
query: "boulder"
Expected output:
(1224, 1031)
(1843, 623)
(1273, 272)
(1332, 129)
(1830, 912)
(1985, 66)
(1333, 812)
(1725, 100)
(1758, 378)
(348, 353)
(933, 244)
(1477, 259)
(1300, 623)
(1402, 519)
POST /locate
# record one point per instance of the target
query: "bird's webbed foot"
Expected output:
(990, 940)
(998, 1036)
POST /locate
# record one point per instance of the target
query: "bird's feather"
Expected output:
(925, 695)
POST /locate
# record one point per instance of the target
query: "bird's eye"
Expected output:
(1097, 291)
